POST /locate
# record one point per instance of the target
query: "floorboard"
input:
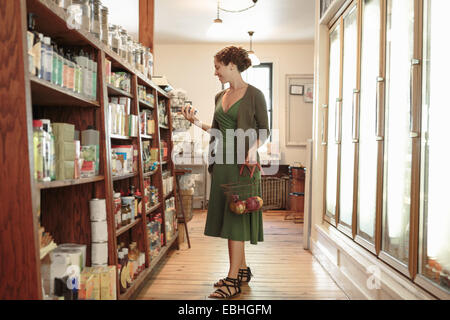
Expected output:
(283, 269)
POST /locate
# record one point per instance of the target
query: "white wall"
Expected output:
(190, 67)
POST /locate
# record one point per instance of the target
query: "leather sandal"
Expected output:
(235, 284)
(245, 275)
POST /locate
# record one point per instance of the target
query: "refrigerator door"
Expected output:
(398, 143)
(349, 78)
(368, 146)
(333, 103)
(434, 247)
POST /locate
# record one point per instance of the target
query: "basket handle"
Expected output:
(250, 167)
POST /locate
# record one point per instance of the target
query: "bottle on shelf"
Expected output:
(38, 150)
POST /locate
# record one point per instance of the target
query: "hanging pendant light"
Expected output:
(217, 28)
(251, 54)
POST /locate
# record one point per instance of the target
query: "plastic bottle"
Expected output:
(50, 173)
(94, 80)
(55, 64)
(43, 56)
(38, 150)
(48, 59)
(60, 68)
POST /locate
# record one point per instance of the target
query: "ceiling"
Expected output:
(187, 21)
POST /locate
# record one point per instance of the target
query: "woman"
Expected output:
(242, 106)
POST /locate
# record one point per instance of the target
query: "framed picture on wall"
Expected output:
(309, 93)
(296, 89)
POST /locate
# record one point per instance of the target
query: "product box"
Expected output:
(127, 152)
(63, 131)
(65, 150)
(65, 170)
(90, 161)
(96, 285)
(108, 283)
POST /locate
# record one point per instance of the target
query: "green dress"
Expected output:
(221, 221)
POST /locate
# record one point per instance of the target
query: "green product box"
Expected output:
(65, 170)
(63, 132)
(65, 151)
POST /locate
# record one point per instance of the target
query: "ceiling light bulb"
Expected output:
(254, 59)
(216, 29)
(251, 54)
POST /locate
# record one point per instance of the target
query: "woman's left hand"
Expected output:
(251, 156)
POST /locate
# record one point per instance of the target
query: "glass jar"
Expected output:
(86, 14)
(130, 47)
(104, 23)
(124, 44)
(114, 37)
(95, 18)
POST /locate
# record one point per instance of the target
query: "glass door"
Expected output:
(434, 258)
(368, 155)
(398, 143)
(334, 98)
(349, 79)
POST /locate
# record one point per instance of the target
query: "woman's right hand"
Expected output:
(189, 114)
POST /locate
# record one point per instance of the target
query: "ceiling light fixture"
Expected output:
(251, 54)
(216, 27)
(237, 4)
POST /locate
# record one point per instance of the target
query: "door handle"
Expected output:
(355, 115)
(379, 135)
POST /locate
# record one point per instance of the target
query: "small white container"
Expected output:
(99, 253)
(99, 231)
(97, 208)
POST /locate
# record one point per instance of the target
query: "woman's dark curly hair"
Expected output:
(238, 56)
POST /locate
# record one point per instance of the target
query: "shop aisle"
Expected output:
(282, 269)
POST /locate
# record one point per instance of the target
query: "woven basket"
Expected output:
(188, 202)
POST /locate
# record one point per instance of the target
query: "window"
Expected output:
(261, 77)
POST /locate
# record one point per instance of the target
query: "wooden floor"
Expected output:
(282, 268)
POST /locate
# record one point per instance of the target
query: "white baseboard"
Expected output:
(360, 274)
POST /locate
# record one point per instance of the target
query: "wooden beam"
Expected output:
(19, 256)
(146, 23)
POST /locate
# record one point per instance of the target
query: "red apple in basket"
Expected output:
(252, 204)
(240, 207)
(260, 202)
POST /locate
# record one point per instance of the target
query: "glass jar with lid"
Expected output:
(114, 38)
(95, 18)
(85, 13)
(130, 46)
(124, 44)
(104, 24)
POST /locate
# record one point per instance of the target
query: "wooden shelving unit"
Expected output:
(64, 205)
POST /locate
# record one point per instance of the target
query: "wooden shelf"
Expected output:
(116, 92)
(146, 104)
(156, 206)
(49, 94)
(135, 285)
(68, 183)
(164, 162)
(124, 176)
(119, 137)
(30, 96)
(164, 250)
(128, 227)
(149, 174)
(162, 126)
(168, 195)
